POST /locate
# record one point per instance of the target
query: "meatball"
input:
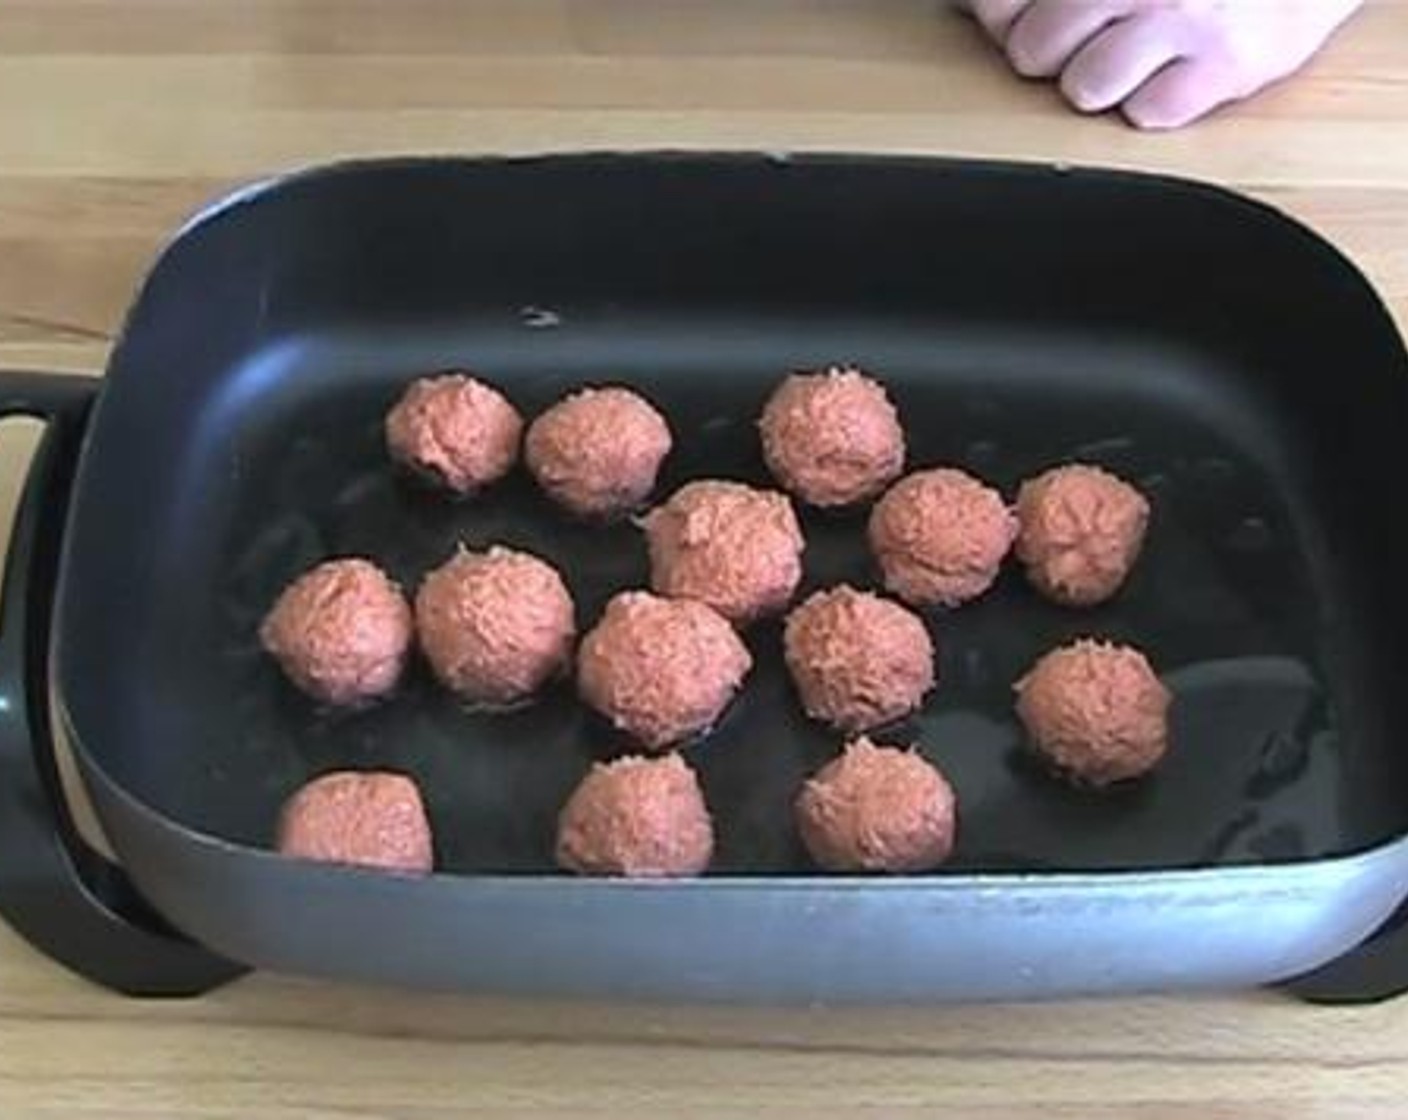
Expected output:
(370, 819)
(341, 632)
(1095, 711)
(939, 537)
(455, 430)
(858, 661)
(877, 809)
(495, 626)
(832, 438)
(728, 545)
(661, 670)
(637, 817)
(597, 452)
(1081, 529)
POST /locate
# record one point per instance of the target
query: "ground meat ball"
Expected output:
(1081, 532)
(877, 809)
(368, 819)
(1096, 712)
(728, 545)
(832, 438)
(340, 632)
(495, 626)
(637, 817)
(456, 430)
(661, 670)
(597, 452)
(939, 537)
(858, 661)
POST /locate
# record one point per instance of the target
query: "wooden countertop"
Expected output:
(118, 117)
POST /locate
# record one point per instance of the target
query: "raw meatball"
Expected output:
(1081, 532)
(370, 819)
(725, 544)
(597, 452)
(858, 661)
(458, 431)
(832, 438)
(495, 626)
(340, 632)
(1095, 711)
(661, 670)
(877, 809)
(637, 817)
(939, 537)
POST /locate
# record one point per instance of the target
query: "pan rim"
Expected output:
(272, 187)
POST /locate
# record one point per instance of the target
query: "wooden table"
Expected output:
(117, 117)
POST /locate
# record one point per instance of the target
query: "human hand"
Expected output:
(1164, 63)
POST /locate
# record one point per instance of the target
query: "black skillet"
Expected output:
(1230, 362)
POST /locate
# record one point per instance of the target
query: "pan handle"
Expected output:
(1375, 971)
(55, 890)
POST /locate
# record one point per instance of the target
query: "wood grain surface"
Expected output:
(119, 117)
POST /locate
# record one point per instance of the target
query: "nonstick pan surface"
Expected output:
(1224, 360)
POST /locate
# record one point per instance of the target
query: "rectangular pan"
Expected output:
(1225, 358)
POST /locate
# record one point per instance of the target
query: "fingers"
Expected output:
(1118, 61)
(1178, 95)
(1164, 64)
(1050, 32)
(997, 16)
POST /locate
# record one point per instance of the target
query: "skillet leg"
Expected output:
(55, 890)
(1377, 970)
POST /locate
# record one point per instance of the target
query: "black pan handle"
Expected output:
(55, 890)
(1375, 971)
